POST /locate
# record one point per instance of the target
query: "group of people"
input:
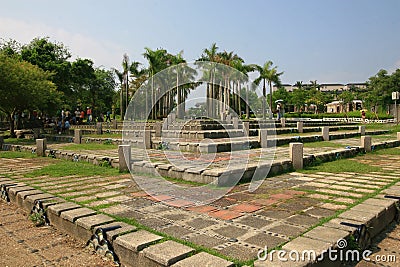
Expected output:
(78, 117)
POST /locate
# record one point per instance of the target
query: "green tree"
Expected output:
(24, 86)
(51, 57)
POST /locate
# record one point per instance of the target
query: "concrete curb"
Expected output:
(133, 247)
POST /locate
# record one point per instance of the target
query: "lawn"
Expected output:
(89, 146)
(343, 165)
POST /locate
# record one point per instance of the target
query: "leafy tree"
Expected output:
(51, 57)
(24, 86)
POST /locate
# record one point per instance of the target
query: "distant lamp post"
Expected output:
(395, 97)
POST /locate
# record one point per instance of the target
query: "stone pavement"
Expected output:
(237, 225)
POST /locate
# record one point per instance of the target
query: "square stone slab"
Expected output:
(261, 240)
(230, 231)
(253, 221)
(58, 208)
(203, 259)
(168, 252)
(137, 241)
(91, 221)
(73, 215)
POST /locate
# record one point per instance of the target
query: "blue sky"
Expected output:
(331, 41)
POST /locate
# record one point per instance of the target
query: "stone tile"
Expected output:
(225, 214)
(205, 240)
(176, 231)
(265, 201)
(154, 223)
(179, 203)
(203, 259)
(287, 230)
(276, 213)
(244, 207)
(137, 241)
(230, 231)
(202, 209)
(253, 221)
(168, 252)
(302, 220)
(200, 223)
(261, 240)
(239, 252)
(319, 212)
(332, 206)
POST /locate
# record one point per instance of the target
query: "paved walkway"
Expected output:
(239, 224)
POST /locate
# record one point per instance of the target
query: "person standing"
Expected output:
(89, 115)
(108, 116)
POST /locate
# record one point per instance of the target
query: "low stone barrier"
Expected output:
(133, 247)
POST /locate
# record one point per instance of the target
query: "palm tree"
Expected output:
(267, 74)
(210, 54)
(123, 78)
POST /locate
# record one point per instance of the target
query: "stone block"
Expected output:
(283, 122)
(124, 157)
(157, 128)
(246, 128)
(41, 146)
(361, 130)
(147, 139)
(366, 143)
(296, 155)
(325, 133)
(115, 124)
(167, 253)
(300, 125)
(115, 229)
(208, 148)
(99, 128)
(77, 136)
(127, 247)
(263, 137)
(203, 259)
(228, 118)
(73, 215)
(398, 136)
(235, 122)
(327, 234)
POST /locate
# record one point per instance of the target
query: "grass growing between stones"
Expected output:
(16, 154)
(342, 165)
(63, 168)
(89, 146)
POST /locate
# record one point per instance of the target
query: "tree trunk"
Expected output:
(270, 97)
(263, 100)
(12, 126)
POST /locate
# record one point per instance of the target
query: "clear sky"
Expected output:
(331, 41)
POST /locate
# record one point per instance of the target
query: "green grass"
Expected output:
(342, 165)
(323, 144)
(388, 151)
(16, 154)
(19, 141)
(104, 135)
(63, 168)
(89, 146)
